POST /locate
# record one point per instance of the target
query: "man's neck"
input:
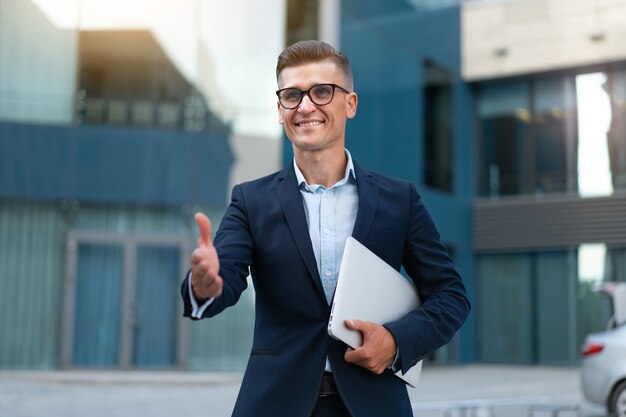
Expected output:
(322, 167)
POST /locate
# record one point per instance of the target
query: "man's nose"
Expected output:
(307, 105)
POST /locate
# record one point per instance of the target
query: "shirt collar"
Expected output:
(348, 174)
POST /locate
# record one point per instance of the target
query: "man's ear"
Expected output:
(351, 105)
(281, 119)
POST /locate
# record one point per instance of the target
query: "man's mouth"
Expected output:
(310, 123)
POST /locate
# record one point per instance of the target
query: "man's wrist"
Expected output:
(395, 365)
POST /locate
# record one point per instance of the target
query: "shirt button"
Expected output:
(327, 273)
(326, 231)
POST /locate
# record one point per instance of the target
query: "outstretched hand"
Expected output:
(378, 350)
(206, 281)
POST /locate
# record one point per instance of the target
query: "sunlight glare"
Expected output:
(594, 118)
(591, 262)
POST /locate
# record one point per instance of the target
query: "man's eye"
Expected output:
(322, 91)
(291, 95)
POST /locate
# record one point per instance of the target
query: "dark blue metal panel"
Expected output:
(387, 47)
(115, 165)
(34, 161)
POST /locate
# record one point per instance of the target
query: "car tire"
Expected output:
(618, 400)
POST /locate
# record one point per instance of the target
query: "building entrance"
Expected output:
(121, 306)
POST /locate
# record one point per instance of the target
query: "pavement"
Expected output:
(447, 391)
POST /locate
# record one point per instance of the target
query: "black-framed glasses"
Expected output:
(320, 94)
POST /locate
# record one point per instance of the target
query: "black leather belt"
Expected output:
(328, 385)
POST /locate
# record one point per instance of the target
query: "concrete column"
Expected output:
(329, 18)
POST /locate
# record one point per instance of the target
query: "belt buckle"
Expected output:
(328, 386)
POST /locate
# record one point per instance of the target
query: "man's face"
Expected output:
(311, 127)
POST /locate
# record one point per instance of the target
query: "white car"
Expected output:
(604, 357)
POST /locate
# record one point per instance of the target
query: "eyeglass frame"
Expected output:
(306, 92)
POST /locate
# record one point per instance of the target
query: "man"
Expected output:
(289, 229)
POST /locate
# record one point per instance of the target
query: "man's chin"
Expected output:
(306, 147)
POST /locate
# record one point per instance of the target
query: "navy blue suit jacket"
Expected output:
(265, 229)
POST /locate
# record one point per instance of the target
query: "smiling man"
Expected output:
(289, 230)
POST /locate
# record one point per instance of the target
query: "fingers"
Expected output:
(204, 225)
(205, 279)
(201, 264)
(378, 349)
(209, 288)
(205, 265)
(366, 359)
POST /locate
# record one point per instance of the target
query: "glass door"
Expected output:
(155, 311)
(122, 307)
(96, 323)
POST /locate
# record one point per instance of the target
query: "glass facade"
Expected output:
(561, 133)
(302, 20)
(616, 83)
(558, 133)
(438, 125)
(536, 308)
(119, 120)
(116, 125)
(405, 57)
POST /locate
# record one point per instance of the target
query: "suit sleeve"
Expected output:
(444, 302)
(234, 246)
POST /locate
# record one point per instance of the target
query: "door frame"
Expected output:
(130, 244)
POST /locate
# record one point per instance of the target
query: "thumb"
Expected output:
(359, 325)
(204, 225)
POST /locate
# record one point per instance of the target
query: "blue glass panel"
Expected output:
(156, 315)
(97, 311)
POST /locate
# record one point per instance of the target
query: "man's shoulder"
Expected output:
(266, 181)
(382, 179)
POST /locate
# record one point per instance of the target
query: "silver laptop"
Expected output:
(371, 290)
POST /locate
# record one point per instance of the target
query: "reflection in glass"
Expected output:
(553, 134)
(593, 310)
(504, 116)
(591, 262)
(155, 318)
(505, 315)
(438, 119)
(548, 134)
(97, 309)
(617, 131)
(594, 118)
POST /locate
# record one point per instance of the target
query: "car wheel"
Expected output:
(618, 400)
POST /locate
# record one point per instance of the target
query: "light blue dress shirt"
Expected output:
(330, 215)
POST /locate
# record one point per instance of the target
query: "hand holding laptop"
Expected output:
(378, 350)
(370, 290)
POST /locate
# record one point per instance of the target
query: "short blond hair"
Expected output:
(305, 52)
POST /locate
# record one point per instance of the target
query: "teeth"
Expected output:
(307, 124)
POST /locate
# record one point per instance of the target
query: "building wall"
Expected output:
(388, 44)
(96, 213)
(504, 38)
(549, 84)
(38, 64)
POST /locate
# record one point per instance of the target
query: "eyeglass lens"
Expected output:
(319, 94)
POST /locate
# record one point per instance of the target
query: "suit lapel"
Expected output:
(368, 196)
(290, 199)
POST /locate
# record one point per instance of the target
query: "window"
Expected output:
(526, 309)
(302, 16)
(438, 132)
(504, 117)
(553, 132)
(557, 133)
(617, 129)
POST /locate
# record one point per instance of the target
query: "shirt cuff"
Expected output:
(395, 366)
(197, 311)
